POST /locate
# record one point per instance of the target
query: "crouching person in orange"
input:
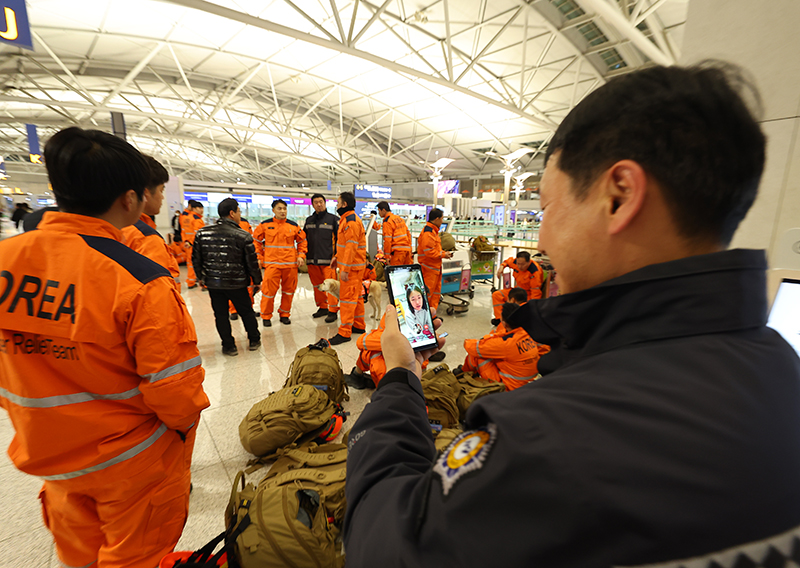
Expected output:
(510, 358)
(527, 275)
(281, 247)
(351, 260)
(142, 236)
(430, 255)
(99, 367)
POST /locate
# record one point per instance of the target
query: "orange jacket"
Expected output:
(99, 363)
(191, 222)
(429, 248)
(144, 239)
(396, 235)
(514, 353)
(245, 225)
(279, 243)
(529, 280)
(351, 244)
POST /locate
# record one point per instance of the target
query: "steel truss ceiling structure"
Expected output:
(305, 91)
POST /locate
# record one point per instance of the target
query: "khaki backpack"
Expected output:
(283, 417)
(294, 516)
(318, 365)
(441, 389)
(448, 241)
(481, 244)
(445, 438)
(472, 388)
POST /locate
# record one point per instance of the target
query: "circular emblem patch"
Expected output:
(466, 453)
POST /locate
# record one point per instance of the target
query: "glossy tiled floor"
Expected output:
(233, 384)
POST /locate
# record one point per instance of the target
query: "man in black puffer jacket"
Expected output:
(224, 259)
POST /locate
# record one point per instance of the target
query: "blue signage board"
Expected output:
(243, 198)
(196, 195)
(35, 152)
(372, 191)
(16, 29)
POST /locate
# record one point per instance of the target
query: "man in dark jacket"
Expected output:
(321, 228)
(224, 258)
(666, 423)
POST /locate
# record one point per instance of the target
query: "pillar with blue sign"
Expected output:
(15, 29)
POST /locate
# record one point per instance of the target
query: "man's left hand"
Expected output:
(301, 262)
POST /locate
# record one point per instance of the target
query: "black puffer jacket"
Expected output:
(224, 257)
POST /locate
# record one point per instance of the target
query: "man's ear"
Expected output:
(625, 185)
(129, 200)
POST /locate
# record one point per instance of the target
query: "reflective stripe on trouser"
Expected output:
(317, 274)
(401, 257)
(372, 362)
(275, 277)
(433, 280)
(191, 277)
(488, 370)
(131, 522)
(351, 304)
(250, 289)
(499, 297)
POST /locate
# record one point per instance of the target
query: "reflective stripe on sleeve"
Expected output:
(66, 399)
(126, 455)
(174, 370)
(478, 348)
(506, 375)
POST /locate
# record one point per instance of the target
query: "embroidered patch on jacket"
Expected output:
(466, 453)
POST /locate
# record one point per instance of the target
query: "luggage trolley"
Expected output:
(456, 280)
(483, 265)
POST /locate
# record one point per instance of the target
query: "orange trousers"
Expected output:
(318, 274)
(372, 362)
(433, 280)
(283, 277)
(483, 367)
(499, 297)
(231, 309)
(351, 309)
(191, 277)
(401, 257)
(123, 523)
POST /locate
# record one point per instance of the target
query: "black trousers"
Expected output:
(244, 307)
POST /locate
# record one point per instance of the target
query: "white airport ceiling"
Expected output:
(305, 91)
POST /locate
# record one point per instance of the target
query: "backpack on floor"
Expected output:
(441, 388)
(445, 438)
(293, 517)
(472, 388)
(284, 417)
(318, 365)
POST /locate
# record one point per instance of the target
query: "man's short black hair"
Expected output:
(279, 202)
(506, 313)
(688, 127)
(158, 173)
(524, 254)
(90, 169)
(226, 206)
(317, 196)
(194, 203)
(349, 199)
(517, 295)
(384, 206)
(435, 214)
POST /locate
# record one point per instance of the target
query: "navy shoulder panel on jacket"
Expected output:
(184, 213)
(145, 229)
(427, 230)
(533, 268)
(268, 220)
(350, 217)
(290, 222)
(140, 267)
(196, 216)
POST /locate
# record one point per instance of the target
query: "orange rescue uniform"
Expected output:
(279, 243)
(244, 224)
(396, 240)
(191, 222)
(351, 259)
(429, 256)
(370, 357)
(529, 280)
(143, 237)
(510, 358)
(101, 377)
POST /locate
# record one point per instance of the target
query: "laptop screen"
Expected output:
(784, 317)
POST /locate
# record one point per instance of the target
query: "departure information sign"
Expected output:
(364, 191)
